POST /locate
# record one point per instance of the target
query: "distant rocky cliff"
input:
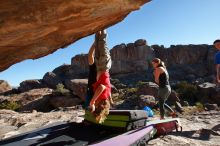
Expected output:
(128, 58)
(183, 61)
(187, 61)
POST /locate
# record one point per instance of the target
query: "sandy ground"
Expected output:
(199, 129)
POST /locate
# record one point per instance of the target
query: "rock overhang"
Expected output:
(31, 29)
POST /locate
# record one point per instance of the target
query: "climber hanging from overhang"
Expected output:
(99, 86)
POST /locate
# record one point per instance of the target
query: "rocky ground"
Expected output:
(13, 123)
(199, 128)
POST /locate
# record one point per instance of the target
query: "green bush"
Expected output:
(131, 90)
(187, 91)
(60, 90)
(140, 83)
(199, 106)
(11, 105)
(118, 98)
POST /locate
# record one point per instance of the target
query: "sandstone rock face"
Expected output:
(64, 101)
(130, 58)
(184, 62)
(182, 54)
(4, 86)
(210, 59)
(51, 79)
(140, 42)
(70, 71)
(78, 87)
(148, 88)
(30, 84)
(32, 29)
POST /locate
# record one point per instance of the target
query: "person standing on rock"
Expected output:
(100, 102)
(161, 78)
(216, 43)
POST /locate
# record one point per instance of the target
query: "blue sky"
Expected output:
(162, 22)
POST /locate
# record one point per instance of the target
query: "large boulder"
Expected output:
(148, 88)
(72, 71)
(64, 101)
(173, 97)
(146, 100)
(30, 84)
(51, 80)
(4, 86)
(209, 93)
(209, 106)
(78, 87)
(35, 28)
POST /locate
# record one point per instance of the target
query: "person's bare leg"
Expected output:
(91, 54)
(111, 100)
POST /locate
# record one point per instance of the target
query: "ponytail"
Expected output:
(160, 63)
